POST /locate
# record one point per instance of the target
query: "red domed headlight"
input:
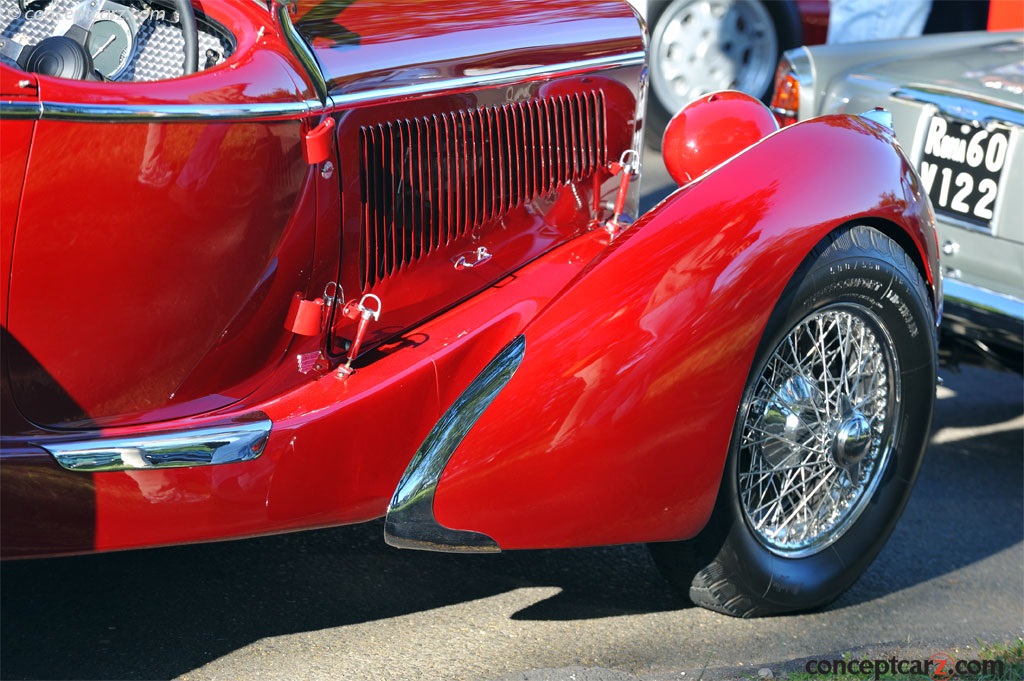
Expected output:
(712, 129)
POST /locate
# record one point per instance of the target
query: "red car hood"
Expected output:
(363, 47)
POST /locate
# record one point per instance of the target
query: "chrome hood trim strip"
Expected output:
(229, 443)
(343, 99)
(410, 520)
(62, 111)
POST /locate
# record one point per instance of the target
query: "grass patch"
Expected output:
(1011, 655)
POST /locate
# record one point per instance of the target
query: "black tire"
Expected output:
(790, 530)
(786, 32)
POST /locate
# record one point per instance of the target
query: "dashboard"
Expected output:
(127, 41)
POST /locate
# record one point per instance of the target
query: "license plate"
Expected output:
(962, 168)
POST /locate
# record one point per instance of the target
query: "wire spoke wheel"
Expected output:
(828, 438)
(818, 430)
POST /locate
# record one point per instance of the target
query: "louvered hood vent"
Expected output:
(451, 198)
(429, 182)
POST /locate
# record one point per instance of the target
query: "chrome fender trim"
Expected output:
(410, 520)
(229, 443)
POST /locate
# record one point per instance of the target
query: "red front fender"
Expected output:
(616, 425)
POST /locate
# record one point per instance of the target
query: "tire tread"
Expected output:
(708, 569)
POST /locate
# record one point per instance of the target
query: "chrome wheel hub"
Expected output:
(701, 46)
(818, 430)
(785, 419)
(850, 444)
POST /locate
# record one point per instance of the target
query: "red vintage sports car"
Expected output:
(268, 267)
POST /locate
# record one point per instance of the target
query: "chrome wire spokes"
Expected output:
(818, 430)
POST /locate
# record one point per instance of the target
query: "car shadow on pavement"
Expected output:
(162, 613)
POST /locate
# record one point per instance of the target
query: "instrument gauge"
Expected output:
(111, 42)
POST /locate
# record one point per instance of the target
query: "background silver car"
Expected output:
(957, 102)
(702, 46)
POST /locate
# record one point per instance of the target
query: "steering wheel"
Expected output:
(65, 56)
(191, 34)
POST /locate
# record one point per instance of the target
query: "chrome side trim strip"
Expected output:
(11, 109)
(957, 292)
(86, 112)
(410, 520)
(490, 79)
(200, 447)
(63, 111)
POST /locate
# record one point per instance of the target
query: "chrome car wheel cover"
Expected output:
(818, 430)
(702, 46)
